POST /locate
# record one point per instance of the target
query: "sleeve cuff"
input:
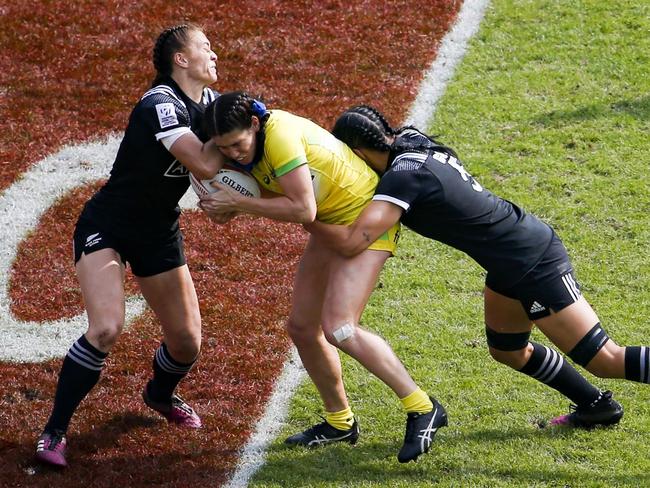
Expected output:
(393, 200)
(168, 138)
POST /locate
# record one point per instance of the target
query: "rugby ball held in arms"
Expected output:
(237, 180)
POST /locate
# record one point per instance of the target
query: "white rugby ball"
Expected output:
(237, 180)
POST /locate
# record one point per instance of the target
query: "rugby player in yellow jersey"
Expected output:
(314, 175)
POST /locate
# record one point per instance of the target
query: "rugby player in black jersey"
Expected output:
(134, 218)
(530, 279)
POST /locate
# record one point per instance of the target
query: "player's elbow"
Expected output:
(210, 161)
(306, 217)
(204, 172)
(207, 165)
(306, 213)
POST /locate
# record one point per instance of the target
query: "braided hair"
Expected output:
(169, 42)
(232, 111)
(404, 141)
(363, 126)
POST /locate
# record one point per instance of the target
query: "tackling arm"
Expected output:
(202, 160)
(376, 218)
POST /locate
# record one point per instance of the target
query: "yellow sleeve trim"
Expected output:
(291, 165)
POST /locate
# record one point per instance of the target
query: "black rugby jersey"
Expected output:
(140, 199)
(442, 201)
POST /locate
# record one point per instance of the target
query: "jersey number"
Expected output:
(453, 162)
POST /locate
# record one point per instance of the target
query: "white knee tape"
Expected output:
(344, 332)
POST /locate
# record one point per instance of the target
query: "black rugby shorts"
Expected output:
(145, 258)
(549, 286)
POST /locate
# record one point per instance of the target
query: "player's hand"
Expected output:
(223, 201)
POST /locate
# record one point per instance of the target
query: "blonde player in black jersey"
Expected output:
(134, 218)
(529, 280)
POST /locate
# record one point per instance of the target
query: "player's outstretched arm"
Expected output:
(376, 218)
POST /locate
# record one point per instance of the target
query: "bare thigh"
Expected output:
(309, 287)
(101, 278)
(504, 314)
(564, 329)
(349, 287)
(172, 297)
(507, 316)
(568, 326)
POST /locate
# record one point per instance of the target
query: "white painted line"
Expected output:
(21, 208)
(254, 453)
(451, 52)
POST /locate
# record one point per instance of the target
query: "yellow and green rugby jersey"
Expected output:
(343, 183)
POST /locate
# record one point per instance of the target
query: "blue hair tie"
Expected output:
(259, 109)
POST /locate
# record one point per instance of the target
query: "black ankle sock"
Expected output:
(637, 363)
(80, 372)
(549, 367)
(167, 373)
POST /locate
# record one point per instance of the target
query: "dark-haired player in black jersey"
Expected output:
(529, 278)
(134, 218)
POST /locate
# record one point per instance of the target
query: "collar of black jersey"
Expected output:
(168, 80)
(401, 144)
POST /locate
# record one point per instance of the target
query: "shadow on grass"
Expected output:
(375, 462)
(137, 470)
(107, 434)
(94, 463)
(638, 108)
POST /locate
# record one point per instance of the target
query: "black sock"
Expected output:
(637, 363)
(79, 374)
(549, 367)
(167, 373)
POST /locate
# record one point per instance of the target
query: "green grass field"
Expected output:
(550, 108)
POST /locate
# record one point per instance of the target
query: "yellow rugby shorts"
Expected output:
(388, 240)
